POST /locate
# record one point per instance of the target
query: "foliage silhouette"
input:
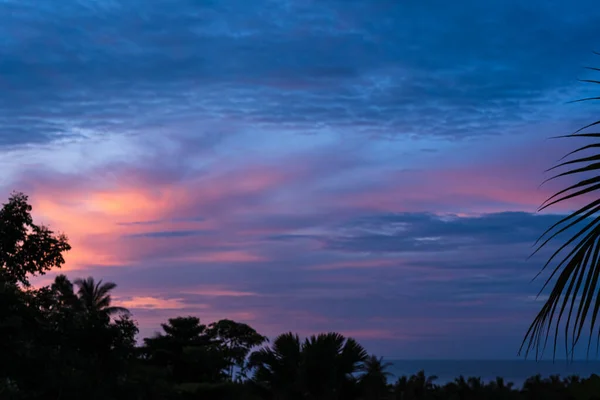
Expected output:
(26, 249)
(577, 266)
(95, 297)
(278, 368)
(66, 345)
(373, 382)
(237, 339)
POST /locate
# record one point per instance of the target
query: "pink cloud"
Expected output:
(233, 256)
(149, 302)
(472, 189)
(217, 292)
(233, 205)
(95, 216)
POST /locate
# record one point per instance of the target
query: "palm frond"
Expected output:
(116, 310)
(575, 276)
(585, 99)
(586, 147)
(95, 296)
(104, 288)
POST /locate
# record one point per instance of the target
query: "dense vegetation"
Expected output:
(68, 341)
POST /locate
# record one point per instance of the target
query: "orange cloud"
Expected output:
(148, 302)
(96, 216)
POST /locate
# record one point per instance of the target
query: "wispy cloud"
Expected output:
(154, 303)
(361, 166)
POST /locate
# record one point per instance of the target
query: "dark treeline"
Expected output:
(68, 341)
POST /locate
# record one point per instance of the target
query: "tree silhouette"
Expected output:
(500, 385)
(330, 364)
(236, 339)
(96, 299)
(322, 367)
(63, 290)
(58, 343)
(374, 379)
(277, 368)
(26, 249)
(419, 385)
(187, 351)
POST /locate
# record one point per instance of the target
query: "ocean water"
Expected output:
(516, 371)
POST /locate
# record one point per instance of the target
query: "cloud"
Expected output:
(131, 67)
(168, 234)
(218, 292)
(289, 242)
(418, 232)
(153, 303)
(361, 166)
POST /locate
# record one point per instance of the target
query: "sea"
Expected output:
(515, 371)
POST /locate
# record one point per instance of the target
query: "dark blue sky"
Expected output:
(364, 166)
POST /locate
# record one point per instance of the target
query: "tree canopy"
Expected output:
(69, 341)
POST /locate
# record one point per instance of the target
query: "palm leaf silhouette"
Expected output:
(95, 296)
(577, 260)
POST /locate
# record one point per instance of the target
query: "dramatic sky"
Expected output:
(364, 166)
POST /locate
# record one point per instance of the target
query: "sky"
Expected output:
(370, 167)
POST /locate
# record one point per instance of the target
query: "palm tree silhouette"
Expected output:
(63, 289)
(331, 362)
(277, 367)
(420, 384)
(95, 297)
(500, 385)
(374, 366)
(375, 378)
(321, 367)
(576, 275)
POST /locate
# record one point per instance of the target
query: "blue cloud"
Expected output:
(423, 232)
(377, 68)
